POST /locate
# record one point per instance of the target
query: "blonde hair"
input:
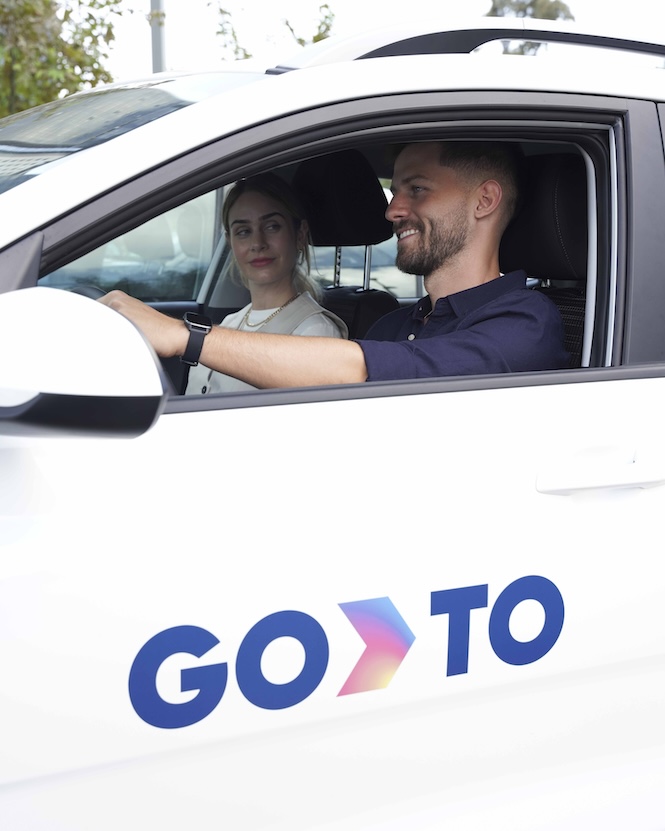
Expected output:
(273, 186)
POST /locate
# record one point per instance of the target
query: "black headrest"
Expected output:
(358, 308)
(548, 238)
(343, 200)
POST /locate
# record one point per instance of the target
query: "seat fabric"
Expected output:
(548, 238)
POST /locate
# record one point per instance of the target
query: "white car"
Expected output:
(419, 604)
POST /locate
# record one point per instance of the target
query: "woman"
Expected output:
(269, 239)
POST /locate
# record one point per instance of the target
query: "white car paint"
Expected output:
(227, 519)
(421, 747)
(62, 187)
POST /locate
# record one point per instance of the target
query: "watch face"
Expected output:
(200, 321)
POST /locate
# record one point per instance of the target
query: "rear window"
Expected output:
(42, 135)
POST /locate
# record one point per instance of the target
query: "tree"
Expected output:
(233, 47)
(323, 29)
(50, 48)
(229, 37)
(540, 9)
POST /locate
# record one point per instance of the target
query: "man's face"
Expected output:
(429, 210)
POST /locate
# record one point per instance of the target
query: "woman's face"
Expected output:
(263, 239)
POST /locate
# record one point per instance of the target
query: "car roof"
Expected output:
(82, 176)
(441, 35)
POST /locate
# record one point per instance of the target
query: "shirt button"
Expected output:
(411, 336)
(204, 390)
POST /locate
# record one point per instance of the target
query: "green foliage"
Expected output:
(229, 37)
(540, 9)
(50, 48)
(323, 29)
(235, 51)
(325, 24)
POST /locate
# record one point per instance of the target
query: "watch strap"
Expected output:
(197, 334)
(194, 346)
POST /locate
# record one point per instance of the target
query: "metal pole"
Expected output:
(157, 26)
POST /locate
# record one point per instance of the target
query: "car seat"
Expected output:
(548, 238)
(345, 205)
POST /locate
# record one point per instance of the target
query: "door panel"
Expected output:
(415, 631)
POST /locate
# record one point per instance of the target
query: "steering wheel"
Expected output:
(171, 367)
(93, 292)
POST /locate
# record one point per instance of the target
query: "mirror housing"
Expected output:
(72, 366)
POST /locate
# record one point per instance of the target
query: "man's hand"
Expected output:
(262, 360)
(167, 335)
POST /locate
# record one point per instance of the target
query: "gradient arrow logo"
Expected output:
(388, 639)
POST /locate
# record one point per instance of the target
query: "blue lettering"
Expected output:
(516, 652)
(210, 681)
(457, 604)
(253, 684)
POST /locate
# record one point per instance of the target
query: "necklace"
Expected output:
(245, 321)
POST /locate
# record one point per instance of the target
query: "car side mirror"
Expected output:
(72, 366)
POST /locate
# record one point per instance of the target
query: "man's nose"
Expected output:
(396, 209)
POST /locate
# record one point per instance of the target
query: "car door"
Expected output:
(468, 616)
(407, 602)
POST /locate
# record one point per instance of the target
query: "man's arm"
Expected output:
(259, 359)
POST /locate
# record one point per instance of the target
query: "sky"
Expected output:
(190, 40)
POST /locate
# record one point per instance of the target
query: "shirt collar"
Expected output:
(463, 302)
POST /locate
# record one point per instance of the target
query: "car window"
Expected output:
(35, 138)
(384, 274)
(164, 259)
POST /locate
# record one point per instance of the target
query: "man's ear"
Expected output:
(489, 196)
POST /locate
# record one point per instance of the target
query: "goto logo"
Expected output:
(377, 621)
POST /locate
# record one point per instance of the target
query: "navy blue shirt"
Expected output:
(500, 326)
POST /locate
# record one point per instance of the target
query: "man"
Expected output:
(451, 203)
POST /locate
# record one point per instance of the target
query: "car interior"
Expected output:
(344, 195)
(345, 204)
(548, 238)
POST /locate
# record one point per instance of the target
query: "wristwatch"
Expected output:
(199, 326)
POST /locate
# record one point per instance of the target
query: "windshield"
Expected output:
(44, 134)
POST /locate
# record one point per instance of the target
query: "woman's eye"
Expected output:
(273, 227)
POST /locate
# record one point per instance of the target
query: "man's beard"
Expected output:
(446, 239)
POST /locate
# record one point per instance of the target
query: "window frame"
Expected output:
(418, 116)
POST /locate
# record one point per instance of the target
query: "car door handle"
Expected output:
(600, 471)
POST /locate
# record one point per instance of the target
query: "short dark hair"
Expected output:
(477, 161)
